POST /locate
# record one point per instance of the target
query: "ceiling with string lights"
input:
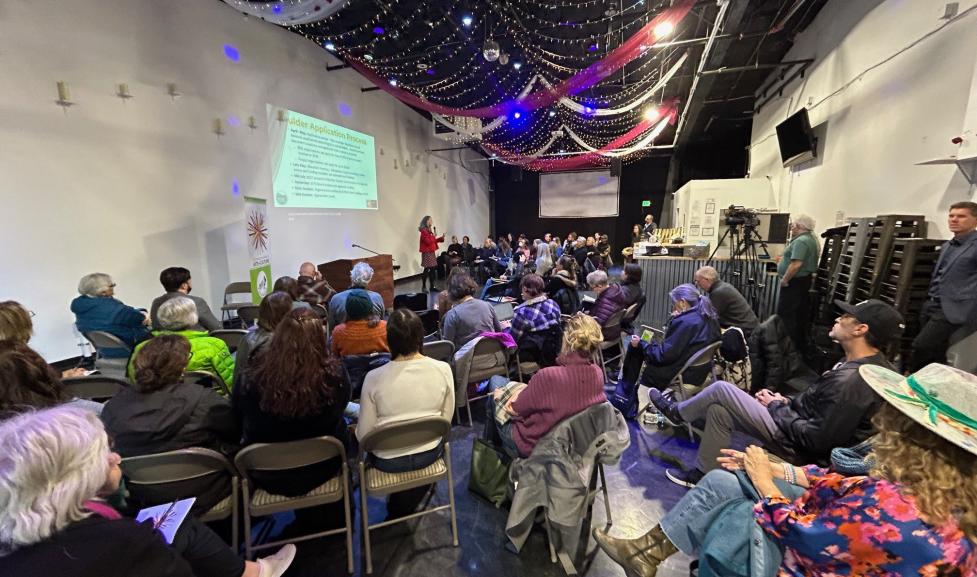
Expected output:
(560, 84)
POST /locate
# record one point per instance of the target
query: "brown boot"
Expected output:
(640, 557)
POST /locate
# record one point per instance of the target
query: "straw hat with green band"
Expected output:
(941, 398)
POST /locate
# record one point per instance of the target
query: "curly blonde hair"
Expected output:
(941, 477)
(582, 334)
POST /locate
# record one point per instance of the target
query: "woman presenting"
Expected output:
(429, 246)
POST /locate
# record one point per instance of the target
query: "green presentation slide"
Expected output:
(317, 164)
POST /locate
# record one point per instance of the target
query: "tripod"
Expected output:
(743, 269)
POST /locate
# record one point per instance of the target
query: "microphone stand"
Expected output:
(395, 266)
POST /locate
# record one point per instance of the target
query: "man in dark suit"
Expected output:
(650, 227)
(952, 300)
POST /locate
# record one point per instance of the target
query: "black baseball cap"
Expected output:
(883, 319)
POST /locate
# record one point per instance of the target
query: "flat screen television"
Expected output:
(796, 139)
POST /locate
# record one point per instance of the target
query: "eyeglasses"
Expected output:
(32, 313)
(112, 285)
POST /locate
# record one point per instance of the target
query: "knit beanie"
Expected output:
(358, 305)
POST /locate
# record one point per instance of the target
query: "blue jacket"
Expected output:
(110, 315)
(958, 299)
(687, 332)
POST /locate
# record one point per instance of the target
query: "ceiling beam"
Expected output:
(734, 18)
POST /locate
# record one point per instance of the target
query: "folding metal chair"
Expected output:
(395, 436)
(440, 350)
(94, 387)
(684, 391)
(283, 457)
(161, 469)
(248, 314)
(207, 379)
(489, 358)
(235, 288)
(102, 340)
(416, 302)
(612, 325)
(231, 337)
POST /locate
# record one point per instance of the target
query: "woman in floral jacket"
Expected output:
(914, 514)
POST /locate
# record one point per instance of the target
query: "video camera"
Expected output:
(739, 215)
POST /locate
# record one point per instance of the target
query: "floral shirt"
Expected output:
(861, 526)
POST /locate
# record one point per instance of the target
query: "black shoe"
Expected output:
(684, 478)
(666, 406)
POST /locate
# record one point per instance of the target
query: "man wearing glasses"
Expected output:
(836, 411)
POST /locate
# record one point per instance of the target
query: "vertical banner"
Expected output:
(256, 217)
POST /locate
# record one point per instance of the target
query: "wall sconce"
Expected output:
(173, 90)
(218, 127)
(123, 92)
(64, 96)
(395, 164)
(252, 122)
(280, 116)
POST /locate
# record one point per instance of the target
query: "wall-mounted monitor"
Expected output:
(796, 139)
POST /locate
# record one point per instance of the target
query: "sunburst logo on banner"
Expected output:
(257, 231)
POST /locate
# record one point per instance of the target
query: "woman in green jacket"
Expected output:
(207, 353)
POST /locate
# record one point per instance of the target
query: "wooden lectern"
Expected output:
(336, 273)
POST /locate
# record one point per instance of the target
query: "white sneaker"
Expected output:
(275, 565)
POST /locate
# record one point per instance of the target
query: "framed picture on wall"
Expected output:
(694, 230)
(710, 208)
(708, 231)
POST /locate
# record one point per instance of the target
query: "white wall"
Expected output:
(131, 187)
(874, 132)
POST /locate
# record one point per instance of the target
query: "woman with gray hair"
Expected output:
(97, 309)
(177, 316)
(796, 270)
(57, 465)
(694, 324)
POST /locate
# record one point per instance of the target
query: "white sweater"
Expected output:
(405, 390)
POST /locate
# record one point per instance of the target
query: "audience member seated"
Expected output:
(176, 282)
(444, 302)
(271, 311)
(580, 251)
(610, 299)
(362, 333)
(16, 325)
(410, 386)
(732, 308)
(294, 389)
(320, 291)
(97, 309)
(207, 353)
(553, 394)
(307, 294)
(544, 258)
(454, 253)
(603, 248)
(290, 286)
(468, 251)
(160, 412)
(469, 317)
(631, 285)
(562, 286)
(775, 361)
(28, 382)
(915, 513)
(691, 327)
(536, 323)
(359, 278)
(55, 470)
(836, 411)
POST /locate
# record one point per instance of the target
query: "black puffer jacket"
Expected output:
(563, 289)
(774, 359)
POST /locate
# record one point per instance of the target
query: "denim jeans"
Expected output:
(406, 463)
(684, 524)
(498, 435)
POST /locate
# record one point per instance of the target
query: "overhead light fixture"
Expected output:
(517, 65)
(652, 113)
(467, 20)
(517, 115)
(330, 46)
(552, 113)
(664, 29)
(393, 82)
(378, 30)
(368, 57)
(422, 66)
(491, 50)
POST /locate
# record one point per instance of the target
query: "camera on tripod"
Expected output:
(740, 215)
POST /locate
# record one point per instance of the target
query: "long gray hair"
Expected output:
(423, 225)
(690, 294)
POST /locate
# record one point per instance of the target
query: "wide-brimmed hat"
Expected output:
(941, 398)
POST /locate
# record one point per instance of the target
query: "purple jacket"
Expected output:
(608, 302)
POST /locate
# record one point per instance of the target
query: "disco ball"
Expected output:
(491, 50)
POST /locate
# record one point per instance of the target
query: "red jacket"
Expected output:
(428, 242)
